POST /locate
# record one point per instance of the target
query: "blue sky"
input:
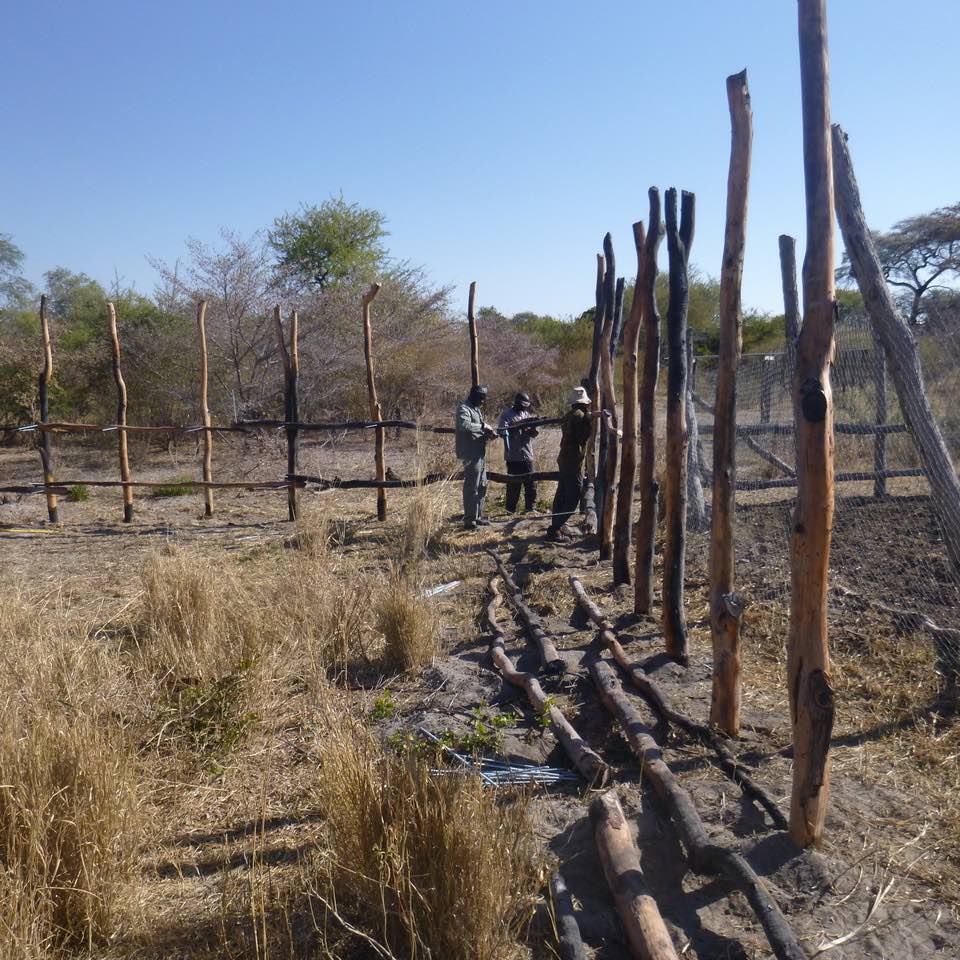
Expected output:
(501, 140)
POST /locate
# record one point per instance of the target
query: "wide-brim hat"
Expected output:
(579, 395)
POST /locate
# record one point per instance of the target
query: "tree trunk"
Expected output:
(679, 239)
(291, 370)
(791, 300)
(725, 609)
(375, 413)
(45, 440)
(696, 505)
(628, 458)
(646, 472)
(121, 417)
(639, 914)
(808, 655)
(474, 339)
(205, 410)
(903, 361)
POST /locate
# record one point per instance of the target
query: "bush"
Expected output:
(78, 493)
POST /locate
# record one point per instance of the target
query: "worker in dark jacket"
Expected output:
(472, 435)
(518, 451)
(575, 432)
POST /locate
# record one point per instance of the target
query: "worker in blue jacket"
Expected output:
(472, 434)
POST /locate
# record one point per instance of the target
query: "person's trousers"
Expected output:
(474, 489)
(529, 486)
(567, 498)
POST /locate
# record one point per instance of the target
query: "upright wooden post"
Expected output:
(45, 444)
(646, 470)
(808, 655)
(612, 447)
(880, 419)
(631, 399)
(900, 348)
(725, 608)
(291, 370)
(696, 503)
(474, 342)
(205, 409)
(606, 399)
(679, 240)
(791, 300)
(375, 413)
(590, 498)
(121, 417)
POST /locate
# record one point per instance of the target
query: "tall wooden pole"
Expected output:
(590, 496)
(291, 370)
(628, 459)
(900, 348)
(696, 502)
(725, 608)
(474, 339)
(45, 444)
(791, 299)
(646, 470)
(375, 412)
(205, 409)
(808, 656)
(612, 445)
(121, 417)
(679, 240)
(605, 397)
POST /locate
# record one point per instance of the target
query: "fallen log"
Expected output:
(569, 941)
(704, 855)
(648, 688)
(588, 763)
(639, 914)
(552, 661)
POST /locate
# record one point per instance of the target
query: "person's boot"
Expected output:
(482, 523)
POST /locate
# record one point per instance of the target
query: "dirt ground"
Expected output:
(887, 875)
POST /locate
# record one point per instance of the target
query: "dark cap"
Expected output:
(477, 393)
(522, 400)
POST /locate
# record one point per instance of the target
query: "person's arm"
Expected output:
(582, 426)
(467, 424)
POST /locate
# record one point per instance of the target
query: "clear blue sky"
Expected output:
(501, 140)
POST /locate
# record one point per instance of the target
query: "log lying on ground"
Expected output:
(552, 661)
(639, 914)
(587, 762)
(645, 684)
(569, 941)
(704, 855)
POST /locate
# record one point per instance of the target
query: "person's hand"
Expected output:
(489, 432)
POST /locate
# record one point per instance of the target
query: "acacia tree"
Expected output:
(917, 255)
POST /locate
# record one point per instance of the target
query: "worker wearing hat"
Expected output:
(518, 451)
(575, 432)
(472, 434)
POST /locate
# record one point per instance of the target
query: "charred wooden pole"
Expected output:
(474, 339)
(646, 468)
(903, 361)
(679, 240)
(375, 412)
(808, 652)
(696, 503)
(726, 611)
(205, 409)
(45, 440)
(569, 942)
(121, 417)
(589, 499)
(290, 357)
(639, 913)
(631, 398)
(610, 448)
(791, 300)
(880, 419)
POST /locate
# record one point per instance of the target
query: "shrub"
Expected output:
(177, 487)
(78, 493)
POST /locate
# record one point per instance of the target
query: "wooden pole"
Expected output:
(726, 611)
(696, 503)
(205, 409)
(291, 370)
(639, 914)
(474, 339)
(121, 417)
(631, 399)
(903, 361)
(590, 496)
(609, 447)
(808, 655)
(646, 471)
(45, 442)
(679, 240)
(791, 300)
(375, 412)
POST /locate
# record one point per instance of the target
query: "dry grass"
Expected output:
(430, 867)
(408, 623)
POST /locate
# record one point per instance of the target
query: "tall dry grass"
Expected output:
(427, 866)
(68, 823)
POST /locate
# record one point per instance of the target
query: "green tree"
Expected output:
(15, 290)
(332, 242)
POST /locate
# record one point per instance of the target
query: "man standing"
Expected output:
(518, 451)
(575, 433)
(471, 445)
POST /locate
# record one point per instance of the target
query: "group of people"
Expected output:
(473, 433)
